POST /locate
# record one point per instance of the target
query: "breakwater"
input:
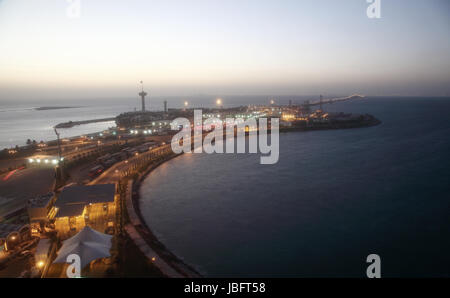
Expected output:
(74, 123)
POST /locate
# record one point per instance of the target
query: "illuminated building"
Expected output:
(40, 211)
(86, 205)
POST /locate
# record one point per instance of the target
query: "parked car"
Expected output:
(95, 171)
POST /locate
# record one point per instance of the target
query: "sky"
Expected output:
(227, 47)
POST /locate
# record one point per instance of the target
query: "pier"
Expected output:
(75, 123)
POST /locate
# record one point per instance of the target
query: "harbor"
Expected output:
(134, 146)
(227, 148)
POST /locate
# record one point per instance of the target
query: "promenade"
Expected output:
(136, 229)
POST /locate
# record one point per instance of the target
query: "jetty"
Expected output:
(75, 123)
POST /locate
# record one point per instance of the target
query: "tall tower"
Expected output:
(142, 94)
(165, 106)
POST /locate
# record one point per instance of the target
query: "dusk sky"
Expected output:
(223, 47)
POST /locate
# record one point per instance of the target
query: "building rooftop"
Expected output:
(72, 199)
(41, 200)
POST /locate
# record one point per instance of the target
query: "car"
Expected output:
(95, 171)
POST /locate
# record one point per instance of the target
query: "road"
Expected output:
(11, 163)
(16, 187)
(118, 170)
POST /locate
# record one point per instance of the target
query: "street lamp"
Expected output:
(58, 168)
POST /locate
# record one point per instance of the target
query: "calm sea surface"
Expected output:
(19, 120)
(333, 198)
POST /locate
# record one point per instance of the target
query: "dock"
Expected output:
(75, 123)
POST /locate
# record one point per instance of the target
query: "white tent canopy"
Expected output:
(88, 244)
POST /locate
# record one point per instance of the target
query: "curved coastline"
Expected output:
(176, 262)
(171, 259)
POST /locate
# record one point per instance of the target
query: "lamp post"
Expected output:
(219, 102)
(59, 156)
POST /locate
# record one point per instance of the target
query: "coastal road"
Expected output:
(16, 187)
(114, 173)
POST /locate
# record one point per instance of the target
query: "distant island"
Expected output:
(54, 108)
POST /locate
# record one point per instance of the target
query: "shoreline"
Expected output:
(54, 140)
(148, 234)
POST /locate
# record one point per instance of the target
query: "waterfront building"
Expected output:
(288, 116)
(149, 120)
(40, 211)
(86, 205)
